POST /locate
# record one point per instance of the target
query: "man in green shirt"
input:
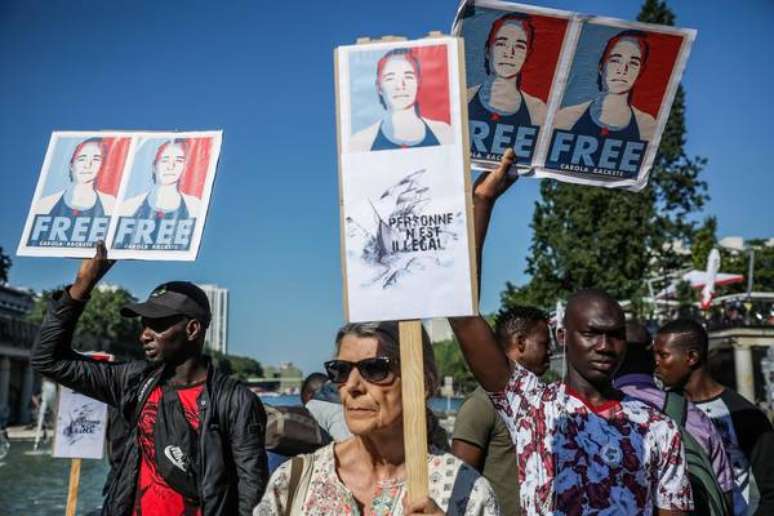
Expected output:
(480, 437)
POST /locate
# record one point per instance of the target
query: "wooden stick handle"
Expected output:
(412, 379)
(72, 490)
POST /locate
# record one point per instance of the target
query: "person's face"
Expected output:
(368, 407)
(398, 84)
(170, 165)
(508, 51)
(536, 354)
(86, 163)
(596, 340)
(622, 66)
(673, 361)
(165, 339)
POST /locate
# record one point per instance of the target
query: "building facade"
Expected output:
(216, 338)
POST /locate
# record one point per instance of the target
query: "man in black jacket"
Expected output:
(195, 442)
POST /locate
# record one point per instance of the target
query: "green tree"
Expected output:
(449, 360)
(735, 262)
(739, 262)
(612, 239)
(5, 265)
(703, 242)
(241, 367)
(101, 326)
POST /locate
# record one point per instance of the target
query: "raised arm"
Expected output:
(486, 359)
(52, 354)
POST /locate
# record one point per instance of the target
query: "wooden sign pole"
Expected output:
(412, 379)
(72, 490)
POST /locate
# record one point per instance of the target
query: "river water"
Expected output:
(35, 484)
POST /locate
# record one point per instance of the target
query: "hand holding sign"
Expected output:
(91, 271)
(491, 185)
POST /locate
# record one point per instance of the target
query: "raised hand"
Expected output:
(91, 271)
(490, 185)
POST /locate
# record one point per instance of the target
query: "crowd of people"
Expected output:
(606, 439)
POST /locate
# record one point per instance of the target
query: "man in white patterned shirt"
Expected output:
(582, 446)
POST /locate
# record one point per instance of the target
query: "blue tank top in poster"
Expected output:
(491, 133)
(381, 142)
(61, 209)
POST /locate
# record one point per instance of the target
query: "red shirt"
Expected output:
(154, 496)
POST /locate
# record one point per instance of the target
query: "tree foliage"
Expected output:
(736, 262)
(449, 360)
(241, 367)
(612, 239)
(101, 327)
(5, 265)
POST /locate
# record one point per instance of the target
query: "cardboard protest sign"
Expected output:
(596, 91)
(81, 423)
(404, 187)
(146, 194)
(512, 63)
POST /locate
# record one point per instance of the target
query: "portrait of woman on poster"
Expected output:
(500, 97)
(81, 198)
(165, 200)
(611, 114)
(398, 79)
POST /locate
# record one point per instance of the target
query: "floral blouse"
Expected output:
(457, 488)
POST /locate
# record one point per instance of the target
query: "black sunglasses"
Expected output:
(374, 370)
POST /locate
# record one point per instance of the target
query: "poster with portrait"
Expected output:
(404, 187)
(621, 81)
(76, 193)
(512, 63)
(162, 208)
(81, 423)
(145, 194)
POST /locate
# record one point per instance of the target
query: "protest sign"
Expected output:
(404, 187)
(81, 423)
(146, 194)
(607, 99)
(512, 60)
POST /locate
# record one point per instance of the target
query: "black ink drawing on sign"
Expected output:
(401, 237)
(83, 423)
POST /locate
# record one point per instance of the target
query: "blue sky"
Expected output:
(263, 72)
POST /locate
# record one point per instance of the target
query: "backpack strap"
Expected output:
(296, 467)
(676, 407)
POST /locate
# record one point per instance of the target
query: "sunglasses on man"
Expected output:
(374, 370)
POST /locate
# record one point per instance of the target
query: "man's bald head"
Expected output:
(582, 302)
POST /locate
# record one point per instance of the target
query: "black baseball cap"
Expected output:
(173, 298)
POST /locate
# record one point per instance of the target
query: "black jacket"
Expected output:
(232, 420)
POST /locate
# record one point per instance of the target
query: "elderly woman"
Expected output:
(366, 473)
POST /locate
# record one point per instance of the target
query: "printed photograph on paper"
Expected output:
(76, 193)
(403, 180)
(619, 90)
(163, 201)
(399, 98)
(511, 60)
